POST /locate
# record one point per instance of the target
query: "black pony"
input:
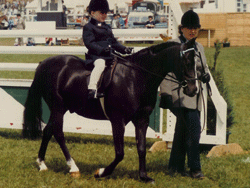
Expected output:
(130, 96)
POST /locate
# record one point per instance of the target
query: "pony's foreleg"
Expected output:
(74, 170)
(118, 136)
(141, 126)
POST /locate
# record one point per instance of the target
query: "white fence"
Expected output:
(47, 49)
(11, 115)
(45, 32)
(48, 29)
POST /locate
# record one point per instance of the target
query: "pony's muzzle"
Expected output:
(190, 88)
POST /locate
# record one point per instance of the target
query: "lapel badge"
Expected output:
(99, 24)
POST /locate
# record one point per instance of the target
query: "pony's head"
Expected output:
(186, 70)
(170, 57)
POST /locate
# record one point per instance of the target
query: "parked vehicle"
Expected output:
(109, 19)
(138, 19)
(142, 10)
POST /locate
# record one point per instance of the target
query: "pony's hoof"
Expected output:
(42, 166)
(75, 174)
(147, 180)
(43, 170)
(99, 173)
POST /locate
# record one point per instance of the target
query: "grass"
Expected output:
(18, 167)
(7, 41)
(234, 65)
(21, 58)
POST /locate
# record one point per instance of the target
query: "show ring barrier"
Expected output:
(41, 30)
(77, 124)
(13, 94)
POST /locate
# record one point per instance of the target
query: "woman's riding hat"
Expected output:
(190, 19)
(98, 5)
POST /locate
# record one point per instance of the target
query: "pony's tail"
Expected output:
(33, 113)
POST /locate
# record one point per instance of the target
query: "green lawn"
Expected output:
(235, 66)
(20, 58)
(18, 167)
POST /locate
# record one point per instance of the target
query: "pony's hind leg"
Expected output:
(47, 134)
(55, 127)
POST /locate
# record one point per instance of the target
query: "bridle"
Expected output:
(184, 83)
(182, 53)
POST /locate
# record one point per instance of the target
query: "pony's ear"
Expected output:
(191, 43)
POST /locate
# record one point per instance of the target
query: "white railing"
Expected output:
(78, 33)
(47, 50)
(11, 111)
(120, 34)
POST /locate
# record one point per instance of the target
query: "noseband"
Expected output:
(182, 52)
(184, 83)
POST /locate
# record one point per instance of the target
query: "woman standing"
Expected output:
(186, 109)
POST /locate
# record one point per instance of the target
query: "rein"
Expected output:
(184, 83)
(181, 84)
(126, 63)
(202, 96)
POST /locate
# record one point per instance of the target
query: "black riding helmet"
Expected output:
(98, 5)
(190, 19)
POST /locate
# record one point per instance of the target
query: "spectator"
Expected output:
(30, 42)
(5, 10)
(115, 22)
(48, 41)
(20, 26)
(84, 21)
(121, 21)
(126, 21)
(150, 24)
(15, 11)
(11, 23)
(64, 7)
(53, 5)
(64, 14)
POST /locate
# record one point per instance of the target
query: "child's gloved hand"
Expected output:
(128, 50)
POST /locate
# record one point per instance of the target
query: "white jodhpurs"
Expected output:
(96, 73)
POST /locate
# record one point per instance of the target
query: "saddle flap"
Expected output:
(106, 77)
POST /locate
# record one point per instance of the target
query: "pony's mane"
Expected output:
(158, 48)
(153, 50)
